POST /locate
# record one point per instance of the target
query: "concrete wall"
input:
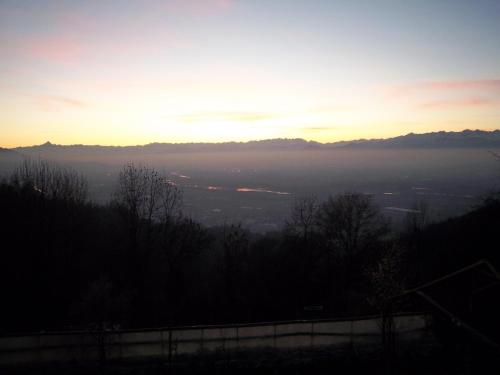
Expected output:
(171, 342)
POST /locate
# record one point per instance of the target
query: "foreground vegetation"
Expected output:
(68, 263)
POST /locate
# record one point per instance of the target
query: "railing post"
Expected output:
(201, 340)
(162, 343)
(170, 347)
(237, 338)
(120, 335)
(353, 350)
(274, 336)
(312, 334)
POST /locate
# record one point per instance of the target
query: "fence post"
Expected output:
(353, 349)
(201, 340)
(274, 336)
(120, 335)
(237, 339)
(162, 343)
(170, 347)
(312, 334)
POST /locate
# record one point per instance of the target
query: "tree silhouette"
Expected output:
(350, 222)
(303, 218)
(51, 181)
(350, 225)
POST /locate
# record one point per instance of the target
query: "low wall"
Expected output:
(172, 342)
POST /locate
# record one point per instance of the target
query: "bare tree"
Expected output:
(147, 193)
(147, 201)
(349, 224)
(301, 230)
(349, 221)
(303, 216)
(418, 218)
(51, 181)
(147, 197)
(235, 246)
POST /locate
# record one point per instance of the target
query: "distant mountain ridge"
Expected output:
(269, 144)
(8, 153)
(9, 159)
(441, 139)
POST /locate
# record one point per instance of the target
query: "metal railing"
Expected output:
(169, 342)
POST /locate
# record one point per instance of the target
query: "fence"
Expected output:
(171, 342)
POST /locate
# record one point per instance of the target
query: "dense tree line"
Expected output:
(138, 261)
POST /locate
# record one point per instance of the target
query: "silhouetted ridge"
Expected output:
(441, 139)
(6, 153)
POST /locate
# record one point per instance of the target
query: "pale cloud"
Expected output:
(74, 49)
(73, 37)
(226, 116)
(459, 85)
(460, 103)
(55, 103)
(485, 84)
(458, 94)
(314, 129)
(60, 49)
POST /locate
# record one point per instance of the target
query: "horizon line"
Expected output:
(48, 143)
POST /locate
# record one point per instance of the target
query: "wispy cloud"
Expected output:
(51, 48)
(225, 116)
(457, 103)
(73, 37)
(55, 102)
(314, 129)
(484, 84)
(437, 95)
(464, 85)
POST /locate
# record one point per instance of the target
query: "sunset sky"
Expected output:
(132, 72)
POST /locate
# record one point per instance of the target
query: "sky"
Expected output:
(138, 71)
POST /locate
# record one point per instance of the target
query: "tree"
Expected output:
(387, 283)
(145, 197)
(147, 200)
(386, 280)
(302, 222)
(416, 222)
(51, 181)
(300, 232)
(418, 218)
(173, 269)
(349, 222)
(350, 225)
(235, 250)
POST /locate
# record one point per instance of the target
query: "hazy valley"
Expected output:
(255, 183)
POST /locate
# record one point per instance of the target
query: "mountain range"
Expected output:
(441, 139)
(255, 182)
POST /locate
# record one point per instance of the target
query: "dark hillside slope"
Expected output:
(471, 294)
(457, 242)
